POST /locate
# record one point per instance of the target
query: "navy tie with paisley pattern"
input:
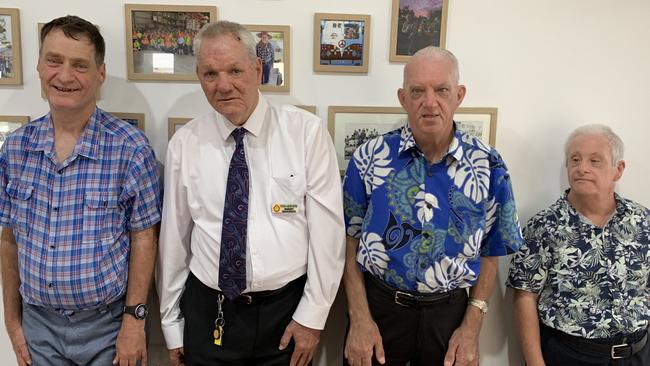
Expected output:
(232, 260)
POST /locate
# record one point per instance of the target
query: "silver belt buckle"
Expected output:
(614, 348)
(398, 293)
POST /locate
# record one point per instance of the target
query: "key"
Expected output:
(219, 322)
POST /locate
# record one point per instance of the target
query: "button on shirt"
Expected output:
(423, 227)
(592, 282)
(295, 213)
(72, 220)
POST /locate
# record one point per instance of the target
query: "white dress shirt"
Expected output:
(291, 160)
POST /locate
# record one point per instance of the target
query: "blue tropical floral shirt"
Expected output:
(423, 227)
(592, 282)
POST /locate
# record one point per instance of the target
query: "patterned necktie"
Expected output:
(232, 260)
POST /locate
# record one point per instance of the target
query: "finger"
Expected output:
(450, 357)
(379, 353)
(117, 357)
(284, 341)
(26, 356)
(295, 357)
(144, 358)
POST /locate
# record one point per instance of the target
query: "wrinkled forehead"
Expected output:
(590, 143)
(429, 70)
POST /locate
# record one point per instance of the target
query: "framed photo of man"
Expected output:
(10, 55)
(174, 123)
(135, 119)
(416, 24)
(160, 40)
(273, 47)
(10, 123)
(341, 42)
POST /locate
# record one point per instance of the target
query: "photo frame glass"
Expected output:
(341, 42)
(134, 119)
(10, 48)
(160, 40)
(416, 24)
(174, 123)
(273, 45)
(8, 124)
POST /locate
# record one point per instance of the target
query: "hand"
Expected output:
(130, 346)
(19, 344)
(363, 338)
(463, 348)
(177, 357)
(305, 339)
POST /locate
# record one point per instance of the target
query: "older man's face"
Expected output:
(430, 96)
(589, 166)
(229, 77)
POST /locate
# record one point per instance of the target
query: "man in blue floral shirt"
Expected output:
(428, 209)
(581, 278)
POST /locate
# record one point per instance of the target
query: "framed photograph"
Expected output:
(160, 40)
(9, 124)
(135, 119)
(352, 126)
(10, 57)
(478, 122)
(173, 124)
(273, 46)
(309, 108)
(341, 42)
(416, 24)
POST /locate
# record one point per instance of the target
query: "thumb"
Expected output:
(450, 357)
(379, 353)
(286, 337)
(26, 356)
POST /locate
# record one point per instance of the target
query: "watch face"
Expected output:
(141, 311)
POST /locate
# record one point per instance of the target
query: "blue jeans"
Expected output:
(86, 337)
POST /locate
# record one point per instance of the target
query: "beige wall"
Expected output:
(548, 66)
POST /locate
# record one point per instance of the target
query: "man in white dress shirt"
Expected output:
(294, 240)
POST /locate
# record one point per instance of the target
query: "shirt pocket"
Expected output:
(287, 197)
(20, 195)
(101, 220)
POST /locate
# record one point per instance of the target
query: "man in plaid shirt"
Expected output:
(79, 205)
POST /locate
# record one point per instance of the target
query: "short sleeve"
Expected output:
(529, 266)
(355, 202)
(142, 190)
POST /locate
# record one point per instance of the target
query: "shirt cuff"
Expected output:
(174, 334)
(311, 316)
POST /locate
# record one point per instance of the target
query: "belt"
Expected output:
(612, 349)
(250, 298)
(412, 299)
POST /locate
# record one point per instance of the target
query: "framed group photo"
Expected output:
(9, 124)
(160, 40)
(10, 54)
(341, 42)
(478, 122)
(416, 24)
(134, 119)
(273, 47)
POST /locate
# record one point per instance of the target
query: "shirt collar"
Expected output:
(254, 123)
(621, 206)
(87, 145)
(454, 152)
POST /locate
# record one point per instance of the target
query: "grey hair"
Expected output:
(615, 143)
(224, 27)
(434, 53)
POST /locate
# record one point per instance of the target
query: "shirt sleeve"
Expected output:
(355, 202)
(5, 202)
(142, 187)
(529, 267)
(324, 213)
(173, 248)
(503, 231)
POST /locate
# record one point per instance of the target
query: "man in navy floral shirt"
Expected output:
(428, 210)
(581, 278)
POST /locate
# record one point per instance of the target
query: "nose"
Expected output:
(224, 84)
(66, 73)
(429, 98)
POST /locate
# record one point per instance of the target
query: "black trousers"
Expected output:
(557, 352)
(252, 332)
(419, 335)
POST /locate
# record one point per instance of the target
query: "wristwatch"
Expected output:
(480, 304)
(138, 311)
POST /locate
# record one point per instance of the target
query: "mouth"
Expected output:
(64, 90)
(430, 115)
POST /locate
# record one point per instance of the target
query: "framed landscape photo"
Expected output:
(135, 119)
(10, 123)
(478, 122)
(173, 124)
(273, 47)
(160, 40)
(341, 42)
(352, 126)
(10, 56)
(416, 24)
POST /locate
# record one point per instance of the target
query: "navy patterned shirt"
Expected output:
(592, 282)
(423, 227)
(72, 220)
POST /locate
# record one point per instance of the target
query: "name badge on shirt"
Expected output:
(284, 208)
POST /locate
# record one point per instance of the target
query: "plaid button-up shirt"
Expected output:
(72, 220)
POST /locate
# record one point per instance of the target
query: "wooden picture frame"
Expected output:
(279, 72)
(341, 42)
(9, 124)
(416, 24)
(153, 47)
(11, 70)
(309, 108)
(174, 123)
(134, 119)
(478, 122)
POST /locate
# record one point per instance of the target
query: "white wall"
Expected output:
(548, 66)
